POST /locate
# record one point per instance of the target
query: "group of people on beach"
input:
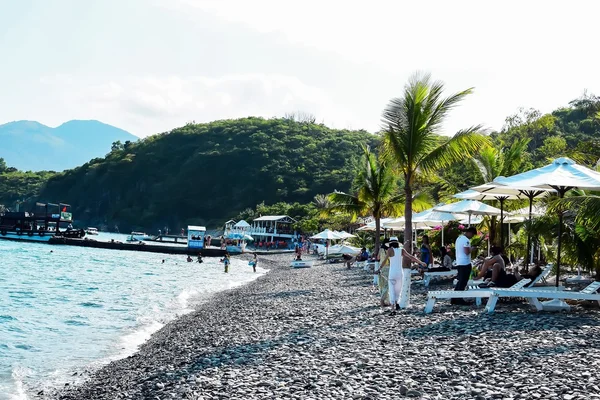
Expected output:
(394, 279)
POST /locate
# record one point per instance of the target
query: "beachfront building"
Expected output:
(273, 227)
(196, 237)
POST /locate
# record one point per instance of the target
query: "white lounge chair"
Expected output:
(476, 294)
(533, 294)
(541, 278)
(428, 276)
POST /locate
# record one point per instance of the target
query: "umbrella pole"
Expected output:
(469, 220)
(561, 194)
(530, 195)
(502, 199)
(442, 233)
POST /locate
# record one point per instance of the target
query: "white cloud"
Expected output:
(159, 103)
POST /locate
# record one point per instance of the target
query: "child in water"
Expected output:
(226, 261)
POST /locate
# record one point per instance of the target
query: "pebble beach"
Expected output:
(320, 333)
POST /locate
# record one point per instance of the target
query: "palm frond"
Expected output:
(460, 147)
(587, 209)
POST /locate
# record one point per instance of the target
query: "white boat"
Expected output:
(91, 231)
(138, 237)
(301, 264)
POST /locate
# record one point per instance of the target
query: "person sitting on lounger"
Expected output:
(348, 260)
(494, 271)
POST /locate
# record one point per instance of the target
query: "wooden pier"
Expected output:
(140, 246)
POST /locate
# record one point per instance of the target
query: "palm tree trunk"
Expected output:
(377, 234)
(408, 221)
(493, 230)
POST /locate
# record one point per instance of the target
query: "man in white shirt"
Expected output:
(463, 251)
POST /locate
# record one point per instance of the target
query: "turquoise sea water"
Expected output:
(77, 308)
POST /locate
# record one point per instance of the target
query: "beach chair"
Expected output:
(476, 294)
(541, 278)
(428, 276)
(533, 294)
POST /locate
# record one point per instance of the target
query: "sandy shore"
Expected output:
(319, 334)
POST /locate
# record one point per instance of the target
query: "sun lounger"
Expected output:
(533, 294)
(428, 276)
(476, 294)
(541, 278)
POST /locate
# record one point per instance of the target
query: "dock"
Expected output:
(210, 252)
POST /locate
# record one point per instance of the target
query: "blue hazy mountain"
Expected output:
(31, 146)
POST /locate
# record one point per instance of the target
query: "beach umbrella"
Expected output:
(371, 225)
(327, 235)
(482, 192)
(562, 175)
(400, 224)
(344, 235)
(496, 188)
(431, 217)
(468, 207)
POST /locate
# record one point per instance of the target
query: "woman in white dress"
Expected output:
(399, 277)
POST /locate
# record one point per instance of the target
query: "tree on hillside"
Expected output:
(411, 136)
(3, 165)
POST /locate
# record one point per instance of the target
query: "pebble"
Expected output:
(319, 334)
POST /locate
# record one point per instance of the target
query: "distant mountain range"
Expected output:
(31, 146)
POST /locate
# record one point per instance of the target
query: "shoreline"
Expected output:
(319, 333)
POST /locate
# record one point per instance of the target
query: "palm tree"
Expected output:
(321, 201)
(377, 194)
(411, 136)
(493, 163)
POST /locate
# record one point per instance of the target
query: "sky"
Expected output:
(148, 66)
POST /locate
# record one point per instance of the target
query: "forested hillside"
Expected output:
(205, 173)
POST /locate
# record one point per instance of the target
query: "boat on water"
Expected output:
(138, 237)
(91, 231)
(39, 225)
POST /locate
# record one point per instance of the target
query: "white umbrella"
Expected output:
(431, 217)
(371, 225)
(327, 235)
(503, 192)
(486, 192)
(562, 175)
(400, 224)
(345, 234)
(468, 207)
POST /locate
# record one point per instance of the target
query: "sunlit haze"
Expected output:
(148, 66)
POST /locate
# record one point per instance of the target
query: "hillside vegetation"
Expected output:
(206, 173)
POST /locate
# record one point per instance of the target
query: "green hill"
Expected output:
(206, 173)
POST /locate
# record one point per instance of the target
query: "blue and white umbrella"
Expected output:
(562, 175)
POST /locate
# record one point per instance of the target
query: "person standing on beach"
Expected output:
(463, 251)
(254, 262)
(399, 277)
(383, 274)
(226, 261)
